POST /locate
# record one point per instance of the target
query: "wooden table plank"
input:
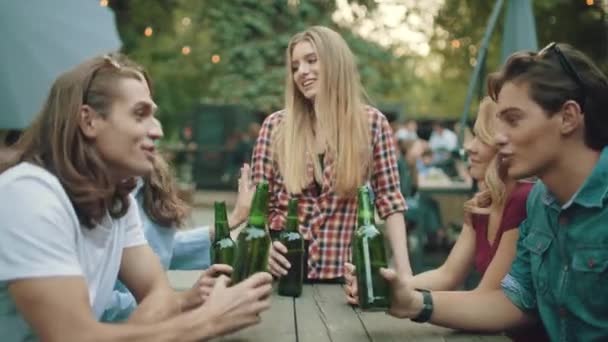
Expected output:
(384, 328)
(493, 338)
(340, 320)
(277, 324)
(309, 320)
(322, 315)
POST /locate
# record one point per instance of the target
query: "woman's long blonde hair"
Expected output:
(492, 191)
(338, 111)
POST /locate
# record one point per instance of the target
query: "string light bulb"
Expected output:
(148, 31)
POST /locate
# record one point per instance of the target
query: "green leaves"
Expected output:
(230, 52)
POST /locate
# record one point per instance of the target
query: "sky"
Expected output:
(407, 25)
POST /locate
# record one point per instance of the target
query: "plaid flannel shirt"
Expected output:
(328, 221)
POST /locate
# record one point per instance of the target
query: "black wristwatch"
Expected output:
(427, 308)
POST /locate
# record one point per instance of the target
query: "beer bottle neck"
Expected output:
(292, 224)
(222, 229)
(259, 208)
(365, 212)
(365, 219)
(292, 216)
(257, 218)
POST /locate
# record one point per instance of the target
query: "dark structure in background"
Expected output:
(222, 134)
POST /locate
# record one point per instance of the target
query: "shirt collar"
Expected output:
(593, 191)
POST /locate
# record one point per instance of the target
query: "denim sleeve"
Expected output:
(517, 284)
(191, 249)
(121, 306)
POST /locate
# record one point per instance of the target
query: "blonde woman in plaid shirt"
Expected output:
(319, 149)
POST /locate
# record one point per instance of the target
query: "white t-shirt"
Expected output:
(40, 236)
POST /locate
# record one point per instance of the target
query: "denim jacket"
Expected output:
(561, 268)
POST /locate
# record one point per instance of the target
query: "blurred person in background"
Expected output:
(411, 125)
(442, 138)
(422, 216)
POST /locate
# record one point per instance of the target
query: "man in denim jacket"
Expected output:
(552, 125)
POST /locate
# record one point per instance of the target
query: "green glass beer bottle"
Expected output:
(253, 243)
(290, 285)
(369, 256)
(223, 248)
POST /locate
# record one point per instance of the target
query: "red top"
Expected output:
(512, 216)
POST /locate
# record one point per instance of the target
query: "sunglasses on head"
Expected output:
(108, 61)
(566, 65)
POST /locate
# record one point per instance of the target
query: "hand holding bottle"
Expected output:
(350, 284)
(290, 284)
(238, 306)
(405, 301)
(201, 289)
(277, 262)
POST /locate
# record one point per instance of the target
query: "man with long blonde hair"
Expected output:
(70, 227)
(324, 145)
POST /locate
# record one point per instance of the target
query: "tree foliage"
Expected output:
(233, 52)
(464, 21)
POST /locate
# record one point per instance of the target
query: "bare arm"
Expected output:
(501, 262)
(448, 311)
(448, 307)
(143, 275)
(388, 199)
(57, 309)
(456, 267)
(395, 232)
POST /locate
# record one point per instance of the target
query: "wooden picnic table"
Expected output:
(321, 314)
(446, 187)
(450, 195)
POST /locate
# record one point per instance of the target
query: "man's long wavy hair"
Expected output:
(55, 142)
(160, 197)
